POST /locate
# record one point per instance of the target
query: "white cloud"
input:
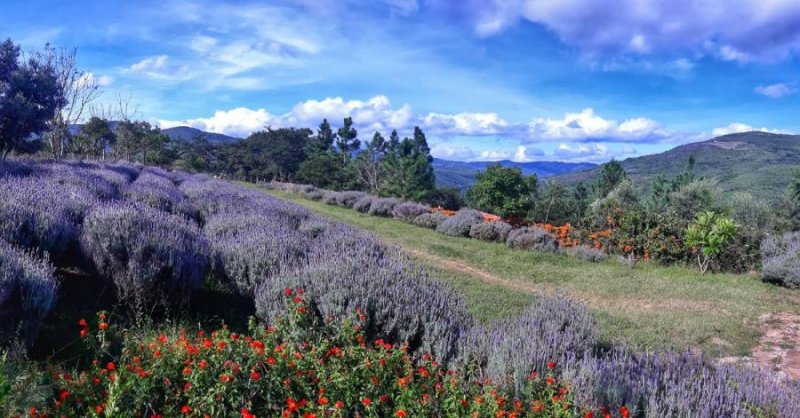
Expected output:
(776, 91)
(452, 152)
(403, 7)
(740, 30)
(375, 114)
(582, 152)
(737, 127)
(524, 154)
(150, 64)
(105, 80)
(238, 122)
(88, 78)
(586, 126)
(465, 123)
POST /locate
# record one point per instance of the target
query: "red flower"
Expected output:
(551, 364)
(589, 414)
(400, 414)
(103, 325)
(255, 376)
(247, 414)
(63, 394)
(99, 409)
(624, 412)
(84, 333)
(288, 291)
(366, 401)
(322, 400)
(339, 405)
(550, 380)
(111, 366)
(271, 361)
(186, 409)
(82, 323)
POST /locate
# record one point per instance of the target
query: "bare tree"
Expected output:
(80, 89)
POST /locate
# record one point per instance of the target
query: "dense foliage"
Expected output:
(504, 191)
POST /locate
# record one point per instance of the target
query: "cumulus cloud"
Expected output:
(737, 127)
(375, 114)
(742, 30)
(586, 126)
(453, 152)
(582, 152)
(776, 91)
(466, 123)
(238, 122)
(159, 67)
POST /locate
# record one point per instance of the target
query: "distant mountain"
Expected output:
(756, 162)
(186, 133)
(461, 174)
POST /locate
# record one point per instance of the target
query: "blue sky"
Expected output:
(569, 80)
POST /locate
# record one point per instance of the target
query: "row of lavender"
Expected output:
(156, 236)
(464, 223)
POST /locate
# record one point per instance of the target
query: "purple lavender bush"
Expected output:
(586, 253)
(383, 206)
(151, 257)
(507, 351)
(363, 204)
(348, 198)
(347, 270)
(27, 293)
(532, 238)
(39, 214)
(459, 224)
(679, 384)
(159, 192)
(408, 211)
(330, 197)
(781, 259)
(429, 220)
(490, 231)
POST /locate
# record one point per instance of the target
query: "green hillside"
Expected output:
(756, 162)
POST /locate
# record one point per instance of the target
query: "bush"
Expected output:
(459, 224)
(363, 204)
(550, 330)
(694, 197)
(27, 293)
(333, 369)
(330, 197)
(347, 270)
(312, 194)
(349, 198)
(150, 256)
(383, 206)
(680, 384)
(408, 211)
(41, 215)
(160, 193)
(532, 238)
(490, 231)
(429, 220)
(781, 259)
(586, 253)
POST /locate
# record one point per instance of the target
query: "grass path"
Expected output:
(649, 305)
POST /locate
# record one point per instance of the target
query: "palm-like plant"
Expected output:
(708, 235)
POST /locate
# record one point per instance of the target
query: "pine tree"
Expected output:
(347, 140)
(409, 167)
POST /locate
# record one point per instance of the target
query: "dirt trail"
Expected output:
(462, 267)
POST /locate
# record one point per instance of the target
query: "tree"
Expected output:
(553, 206)
(708, 235)
(409, 167)
(369, 164)
(98, 136)
(269, 154)
(29, 94)
(323, 140)
(130, 136)
(662, 187)
(347, 140)
(153, 142)
(610, 176)
(504, 191)
(80, 90)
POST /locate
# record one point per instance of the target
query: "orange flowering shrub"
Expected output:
(294, 368)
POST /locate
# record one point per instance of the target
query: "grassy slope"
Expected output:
(648, 305)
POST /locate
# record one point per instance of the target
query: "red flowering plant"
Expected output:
(292, 368)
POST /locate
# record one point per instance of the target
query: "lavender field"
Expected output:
(157, 238)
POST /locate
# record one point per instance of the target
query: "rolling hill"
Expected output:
(461, 174)
(760, 163)
(186, 133)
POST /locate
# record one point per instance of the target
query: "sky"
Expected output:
(526, 80)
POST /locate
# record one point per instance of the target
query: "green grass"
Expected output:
(649, 305)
